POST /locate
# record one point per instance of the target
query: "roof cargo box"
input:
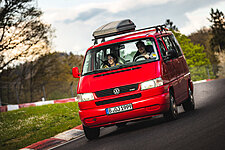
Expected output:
(114, 28)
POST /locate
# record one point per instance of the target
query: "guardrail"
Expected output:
(40, 103)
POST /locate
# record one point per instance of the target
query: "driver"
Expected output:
(142, 51)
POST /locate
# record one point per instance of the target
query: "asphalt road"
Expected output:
(201, 129)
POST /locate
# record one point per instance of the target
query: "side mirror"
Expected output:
(171, 54)
(75, 72)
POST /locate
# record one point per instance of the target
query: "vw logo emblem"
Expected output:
(116, 91)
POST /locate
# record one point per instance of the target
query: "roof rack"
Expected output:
(120, 27)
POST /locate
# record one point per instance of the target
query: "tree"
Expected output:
(169, 24)
(52, 72)
(203, 37)
(218, 30)
(22, 33)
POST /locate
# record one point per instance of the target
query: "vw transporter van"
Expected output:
(140, 85)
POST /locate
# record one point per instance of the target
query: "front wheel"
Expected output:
(189, 104)
(91, 133)
(173, 111)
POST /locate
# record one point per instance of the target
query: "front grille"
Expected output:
(129, 97)
(123, 89)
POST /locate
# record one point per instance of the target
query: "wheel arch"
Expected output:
(190, 84)
(171, 90)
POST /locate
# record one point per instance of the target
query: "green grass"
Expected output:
(26, 126)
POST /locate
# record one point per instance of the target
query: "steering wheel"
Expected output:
(121, 60)
(140, 57)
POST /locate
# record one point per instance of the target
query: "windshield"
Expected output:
(120, 55)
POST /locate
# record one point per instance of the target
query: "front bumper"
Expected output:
(143, 107)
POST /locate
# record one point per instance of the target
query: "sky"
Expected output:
(74, 21)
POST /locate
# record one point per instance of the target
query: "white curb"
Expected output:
(70, 134)
(201, 81)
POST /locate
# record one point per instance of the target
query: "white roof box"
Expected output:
(114, 28)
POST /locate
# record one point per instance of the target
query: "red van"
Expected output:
(149, 76)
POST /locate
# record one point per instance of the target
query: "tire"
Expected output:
(91, 133)
(120, 125)
(189, 104)
(173, 111)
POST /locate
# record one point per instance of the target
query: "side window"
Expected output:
(175, 42)
(99, 59)
(162, 47)
(87, 65)
(168, 43)
(107, 51)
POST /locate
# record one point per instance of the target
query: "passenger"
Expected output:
(142, 51)
(112, 61)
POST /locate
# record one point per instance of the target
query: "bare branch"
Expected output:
(21, 29)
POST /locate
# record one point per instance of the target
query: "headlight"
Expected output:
(151, 83)
(147, 85)
(85, 97)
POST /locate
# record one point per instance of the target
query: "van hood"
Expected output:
(119, 77)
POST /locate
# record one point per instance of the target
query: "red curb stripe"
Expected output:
(26, 105)
(209, 79)
(3, 108)
(46, 144)
(64, 100)
(80, 127)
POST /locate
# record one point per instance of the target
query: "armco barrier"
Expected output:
(44, 103)
(15, 107)
(12, 107)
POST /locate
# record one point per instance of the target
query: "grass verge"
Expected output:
(26, 126)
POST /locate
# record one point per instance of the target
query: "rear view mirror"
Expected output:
(75, 72)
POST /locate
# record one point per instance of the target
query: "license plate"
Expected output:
(119, 109)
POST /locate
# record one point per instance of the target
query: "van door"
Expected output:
(177, 69)
(167, 67)
(183, 69)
